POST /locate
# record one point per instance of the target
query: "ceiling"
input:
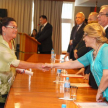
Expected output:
(90, 3)
(87, 3)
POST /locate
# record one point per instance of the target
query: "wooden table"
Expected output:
(39, 90)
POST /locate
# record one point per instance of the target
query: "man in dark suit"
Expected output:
(76, 34)
(81, 49)
(103, 18)
(44, 36)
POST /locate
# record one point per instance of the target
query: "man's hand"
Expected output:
(71, 42)
(75, 53)
(86, 76)
(81, 71)
(67, 54)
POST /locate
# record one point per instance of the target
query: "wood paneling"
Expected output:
(28, 46)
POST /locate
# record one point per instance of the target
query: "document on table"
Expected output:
(72, 75)
(65, 99)
(58, 81)
(80, 84)
(91, 104)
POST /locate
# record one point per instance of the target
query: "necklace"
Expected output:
(95, 51)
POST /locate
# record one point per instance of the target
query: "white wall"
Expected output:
(85, 10)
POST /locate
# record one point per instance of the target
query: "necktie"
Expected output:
(75, 32)
(42, 27)
(71, 46)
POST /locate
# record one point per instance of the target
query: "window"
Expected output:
(32, 23)
(67, 23)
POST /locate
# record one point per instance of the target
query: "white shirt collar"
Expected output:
(79, 26)
(45, 24)
(105, 27)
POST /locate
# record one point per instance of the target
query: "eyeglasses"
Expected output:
(12, 27)
(100, 14)
(85, 35)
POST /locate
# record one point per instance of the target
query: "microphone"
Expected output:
(39, 24)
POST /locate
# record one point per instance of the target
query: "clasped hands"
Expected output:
(47, 66)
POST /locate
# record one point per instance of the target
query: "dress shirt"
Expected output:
(105, 27)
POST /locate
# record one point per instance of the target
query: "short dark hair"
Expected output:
(43, 16)
(35, 30)
(4, 22)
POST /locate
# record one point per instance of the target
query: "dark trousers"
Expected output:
(92, 81)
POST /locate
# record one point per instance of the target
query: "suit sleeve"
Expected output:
(46, 34)
(83, 50)
(79, 35)
(106, 31)
(68, 50)
(71, 38)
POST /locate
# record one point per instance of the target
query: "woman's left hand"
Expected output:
(19, 72)
(99, 97)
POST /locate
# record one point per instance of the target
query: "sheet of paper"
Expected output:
(65, 99)
(92, 104)
(72, 75)
(58, 81)
(80, 84)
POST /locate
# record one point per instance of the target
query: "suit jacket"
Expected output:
(45, 38)
(106, 31)
(78, 36)
(81, 47)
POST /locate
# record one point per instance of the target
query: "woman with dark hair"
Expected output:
(34, 33)
(8, 60)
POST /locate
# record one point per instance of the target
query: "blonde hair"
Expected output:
(96, 31)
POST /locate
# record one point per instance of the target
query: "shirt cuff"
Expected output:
(15, 63)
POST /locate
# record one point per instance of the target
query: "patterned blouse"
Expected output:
(7, 73)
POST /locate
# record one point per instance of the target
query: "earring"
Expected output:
(4, 33)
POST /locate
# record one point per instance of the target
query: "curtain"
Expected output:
(21, 11)
(53, 10)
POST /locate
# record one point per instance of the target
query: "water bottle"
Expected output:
(63, 70)
(52, 56)
(63, 106)
(58, 75)
(62, 60)
(67, 88)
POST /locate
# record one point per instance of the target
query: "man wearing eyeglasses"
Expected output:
(103, 18)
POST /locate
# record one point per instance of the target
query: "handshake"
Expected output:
(47, 66)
